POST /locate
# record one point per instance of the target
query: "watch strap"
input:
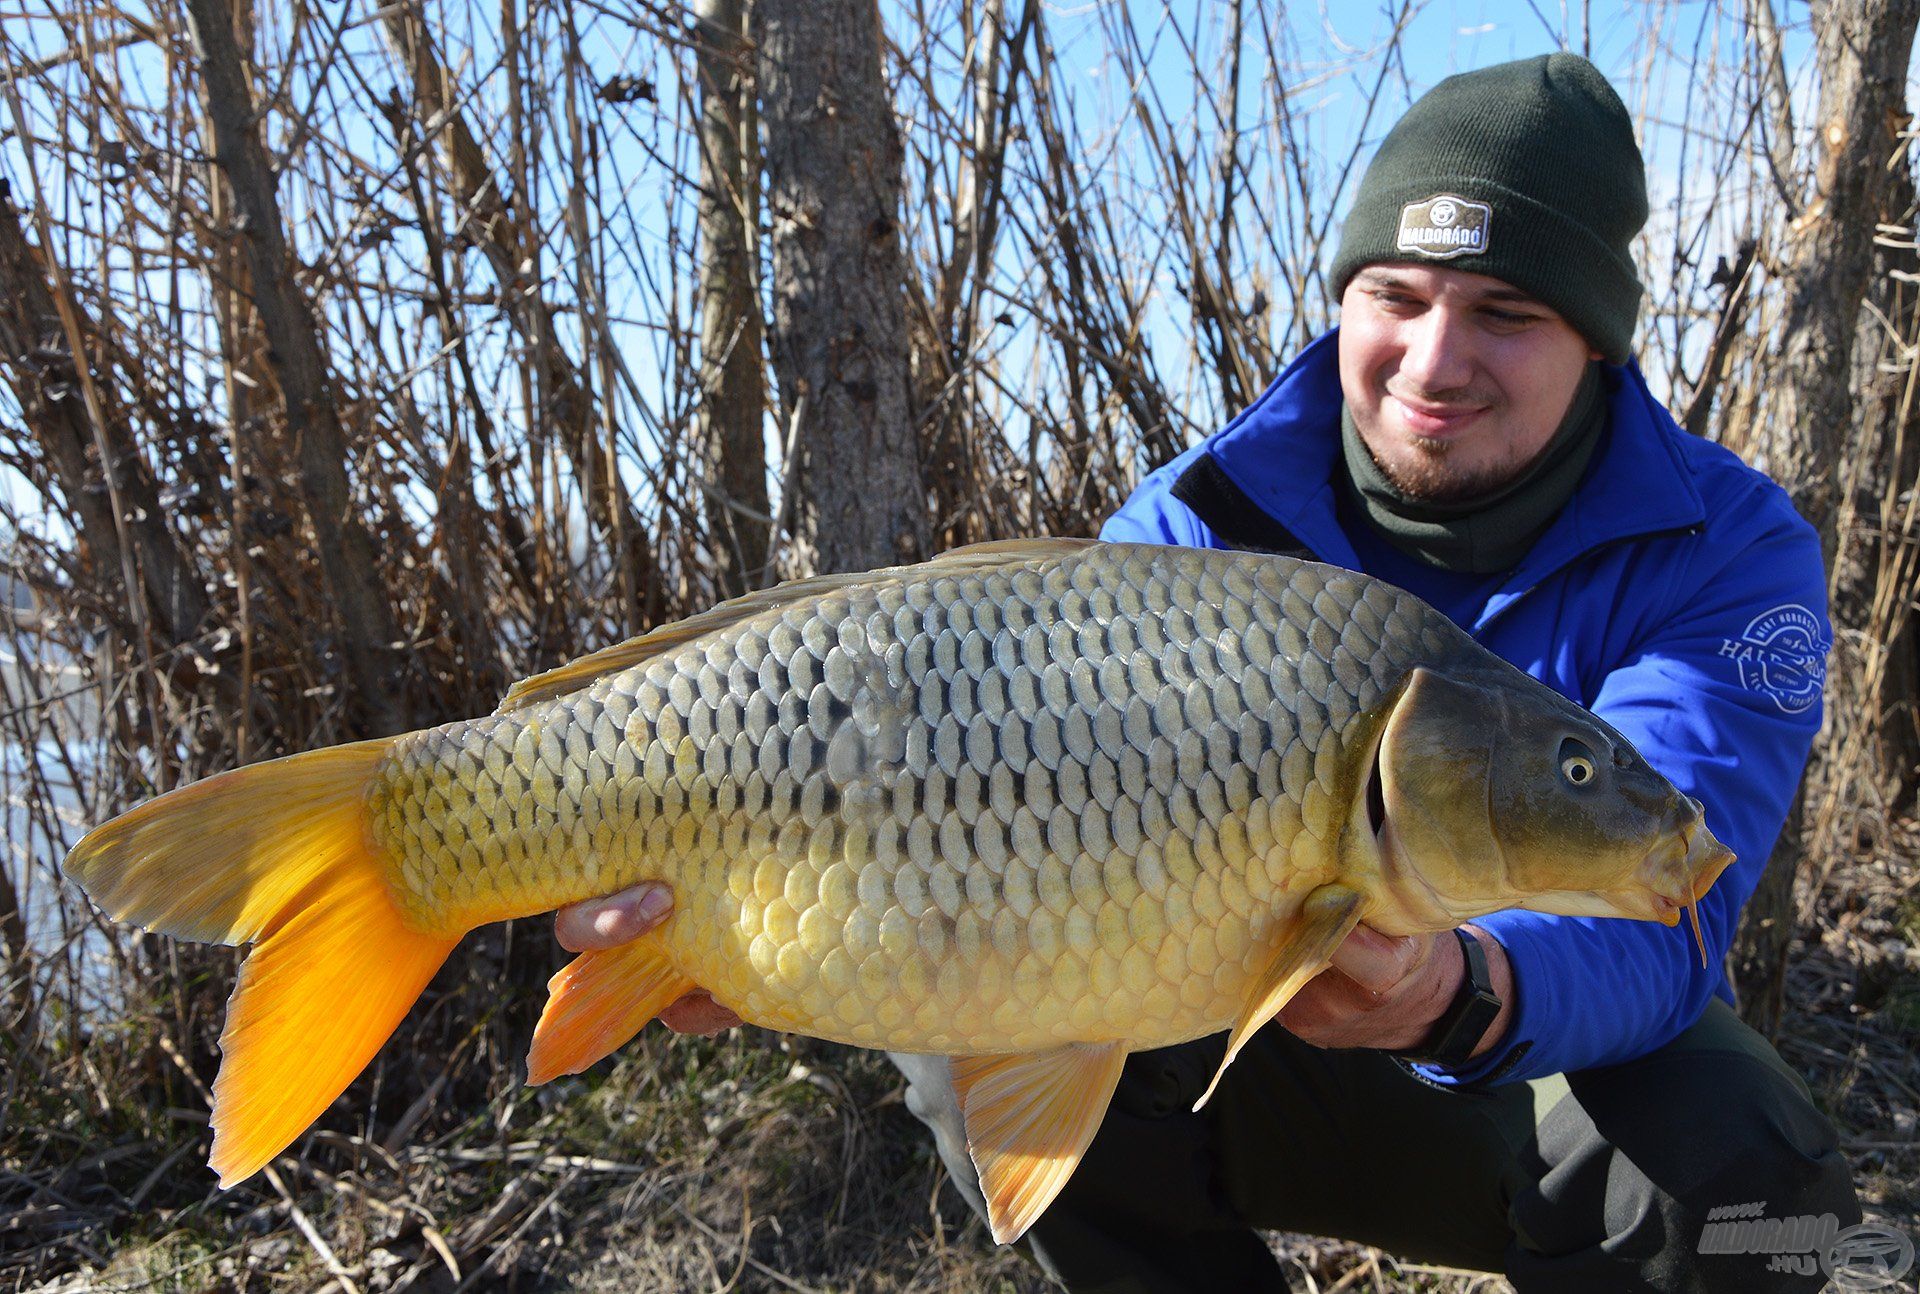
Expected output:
(1466, 1020)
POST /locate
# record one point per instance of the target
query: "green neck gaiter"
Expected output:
(1492, 532)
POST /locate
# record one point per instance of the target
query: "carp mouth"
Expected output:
(1670, 881)
(1688, 864)
(1674, 878)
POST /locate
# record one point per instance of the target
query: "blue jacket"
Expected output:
(1678, 596)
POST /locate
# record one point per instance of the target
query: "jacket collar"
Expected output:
(1285, 448)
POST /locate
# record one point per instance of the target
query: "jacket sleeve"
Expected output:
(1151, 515)
(1723, 698)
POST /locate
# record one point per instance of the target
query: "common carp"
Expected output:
(1032, 805)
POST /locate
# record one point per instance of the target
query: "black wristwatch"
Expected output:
(1457, 1032)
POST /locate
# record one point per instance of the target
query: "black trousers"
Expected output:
(1600, 1180)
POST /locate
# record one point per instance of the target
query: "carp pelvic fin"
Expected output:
(276, 854)
(596, 1002)
(1029, 1118)
(1306, 947)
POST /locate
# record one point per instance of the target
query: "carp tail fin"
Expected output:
(279, 855)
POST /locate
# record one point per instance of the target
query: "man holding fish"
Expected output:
(1541, 1093)
(1263, 884)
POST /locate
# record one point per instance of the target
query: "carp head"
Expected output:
(1489, 790)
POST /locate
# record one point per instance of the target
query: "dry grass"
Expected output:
(751, 1162)
(738, 1163)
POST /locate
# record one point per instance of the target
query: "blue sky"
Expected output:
(1332, 51)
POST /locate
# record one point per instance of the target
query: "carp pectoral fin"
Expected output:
(596, 1002)
(1029, 1118)
(1329, 915)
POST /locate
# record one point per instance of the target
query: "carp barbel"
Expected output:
(1032, 805)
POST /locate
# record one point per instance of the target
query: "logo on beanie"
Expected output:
(1444, 226)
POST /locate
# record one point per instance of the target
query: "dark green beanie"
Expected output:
(1527, 172)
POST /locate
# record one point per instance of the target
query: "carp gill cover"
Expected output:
(1031, 805)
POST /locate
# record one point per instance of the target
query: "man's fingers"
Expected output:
(1378, 962)
(697, 1012)
(594, 924)
(611, 921)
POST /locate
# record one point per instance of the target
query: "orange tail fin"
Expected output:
(279, 855)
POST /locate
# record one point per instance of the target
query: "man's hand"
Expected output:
(595, 924)
(1388, 992)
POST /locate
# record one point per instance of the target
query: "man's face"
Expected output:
(1456, 381)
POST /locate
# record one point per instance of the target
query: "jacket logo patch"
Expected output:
(1782, 655)
(1444, 226)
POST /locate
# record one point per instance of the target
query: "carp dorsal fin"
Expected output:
(989, 553)
(1030, 1116)
(1306, 946)
(576, 674)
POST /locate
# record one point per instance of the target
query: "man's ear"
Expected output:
(1593, 354)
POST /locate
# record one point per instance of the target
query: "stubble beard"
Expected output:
(1433, 473)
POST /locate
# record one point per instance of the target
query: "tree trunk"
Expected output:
(839, 338)
(1879, 562)
(369, 633)
(1863, 52)
(18, 1020)
(733, 398)
(43, 349)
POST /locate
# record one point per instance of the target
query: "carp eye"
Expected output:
(1576, 762)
